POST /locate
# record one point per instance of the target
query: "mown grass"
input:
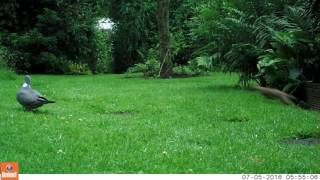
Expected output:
(112, 124)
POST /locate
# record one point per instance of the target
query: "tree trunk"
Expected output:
(164, 34)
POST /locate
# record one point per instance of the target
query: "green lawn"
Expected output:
(113, 124)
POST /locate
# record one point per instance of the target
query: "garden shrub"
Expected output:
(150, 68)
(104, 51)
(78, 69)
(295, 47)
(48, 34)
(186, 71)
(5, 72)
(275, 43)
(204, 63)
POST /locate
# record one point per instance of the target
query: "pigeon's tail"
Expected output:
(45, 100)
(48, 102)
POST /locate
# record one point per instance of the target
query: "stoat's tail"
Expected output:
(275, 93)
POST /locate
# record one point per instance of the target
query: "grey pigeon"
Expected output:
(30, 99)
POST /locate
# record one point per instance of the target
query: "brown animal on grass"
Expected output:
(277, 94)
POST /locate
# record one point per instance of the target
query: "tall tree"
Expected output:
(135, 31)
(164, 34)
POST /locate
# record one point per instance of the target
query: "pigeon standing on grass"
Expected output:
(30, 99)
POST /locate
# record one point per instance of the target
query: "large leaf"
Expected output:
(295, 73)
(204, 61)
(265, 63)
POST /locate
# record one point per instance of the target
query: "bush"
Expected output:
(48, 35)
(149, 69)
(78, 69)
(273, 42)
(51, 63)
(243, 58)
(285, 65)
(5, 72)
(6, 58)
(186, 71)
(204, 63)
(279, 73)
(104, 51)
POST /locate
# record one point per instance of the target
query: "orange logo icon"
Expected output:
(9, 171)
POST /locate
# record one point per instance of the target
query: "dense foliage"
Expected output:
(136, 32)
(275, 43)
(49, 36)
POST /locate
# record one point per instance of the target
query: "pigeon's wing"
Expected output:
(40, 97)
(26, 98)
(35, 92)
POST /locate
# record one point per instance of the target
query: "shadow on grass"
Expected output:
(134, 76)
(35, 111)
(39, 111)
(122, 113)
(102, 109)
(237, 119)
(303, 139)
